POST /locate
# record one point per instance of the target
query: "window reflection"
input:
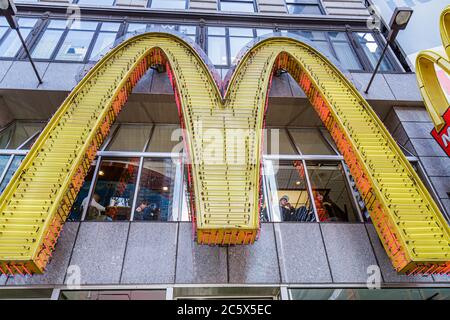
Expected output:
(310, 141)
(78, 206)
(237, 5)
(130, 137)
(155, 196)
(294, 203)
(3, 162)
(168, 4)
(10, 172)
(330, 192)
(277, 141)
(368, 294)
(373, 51)
(303, 7)
(165, 138)
(114, 190)
(18, 133)
(10, 43)
(75, 45)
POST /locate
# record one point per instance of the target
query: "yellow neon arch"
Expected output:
(430, 87)
(37, 201)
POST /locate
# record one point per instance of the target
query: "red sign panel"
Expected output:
(443, 137)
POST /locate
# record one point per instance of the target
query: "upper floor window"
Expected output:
(224, 44)
(373, 51)
(10, 42)
(81, 41)
(334, 44)
(304, 7)
(168, 4)
(97, 2)
(20, 134)
(135, 28)
(237, 5)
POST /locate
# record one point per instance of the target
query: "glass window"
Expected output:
(18, 133)
(97, 2)
(373, 51)
(310, 141)
(344, 51)
(75, 45)
(11, 170)
(113, 295)
(155, 196)
(368, 294)
(237, 5)
(168, 4)
(303, 7)
(10, 43)
(130, 137)
(217, 50)
(77, 208)
(47, 44)
(103, 43)
(3, 162)
(331, 193)
(114, 190)
(276, 141)
(293, 201)
(165, 138)
(333, 44)
(134, 28)
(262, 32)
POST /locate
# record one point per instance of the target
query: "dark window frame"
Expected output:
(255, 5)
(315, 3)
(87, 58)
(149, 5)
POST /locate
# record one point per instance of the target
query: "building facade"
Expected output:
(129, 234)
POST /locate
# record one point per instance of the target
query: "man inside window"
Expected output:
(95, 209)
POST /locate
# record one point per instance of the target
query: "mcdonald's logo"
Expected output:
(224, 190)
(432, 92)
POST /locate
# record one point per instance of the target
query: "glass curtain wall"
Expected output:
(139, 175)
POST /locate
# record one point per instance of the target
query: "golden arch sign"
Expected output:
(36, 202)
(430, 88)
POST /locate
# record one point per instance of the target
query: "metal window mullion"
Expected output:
(228, 47)
(360, 53)
(150, 136)
(32, 39)
(109, 139)
(61, 40)
(177, 198)
(350, 189)
(310, 191)
(136, 190)
(29, 139)
(91, 188)
(271, 186)
(331, 45)
(291, 140)
(92, 44)
(11, 133)
(331, 145)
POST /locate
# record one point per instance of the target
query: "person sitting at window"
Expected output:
(95, 209)
(152, 212)
(140, 209)
(332, 209)
(287, 210)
